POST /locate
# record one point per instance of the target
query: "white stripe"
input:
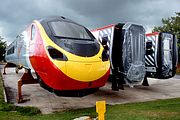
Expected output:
(100, 33)
(152, 40)
(148, 60)
(151, 57)
(109, 31)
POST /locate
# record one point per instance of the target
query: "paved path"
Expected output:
(48, 102)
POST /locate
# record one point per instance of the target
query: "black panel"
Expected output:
(79, 47)
(117, 47)
(159, 56)
(55, 54)
(174, 54)
(117, 61)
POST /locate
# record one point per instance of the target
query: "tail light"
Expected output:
(55, 54)
(149, 50)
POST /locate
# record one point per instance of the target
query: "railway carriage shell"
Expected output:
(64, 54)
(161, 55)
(126, 49)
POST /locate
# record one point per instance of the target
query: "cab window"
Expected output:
(33, 31)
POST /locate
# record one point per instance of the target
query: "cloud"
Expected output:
(16, 15)
(141, 11)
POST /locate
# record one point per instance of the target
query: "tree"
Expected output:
(2, 49)
(171, 25)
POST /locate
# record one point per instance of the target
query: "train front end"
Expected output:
(71, 58)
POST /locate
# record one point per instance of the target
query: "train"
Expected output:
(64, 55)
(161, 55)
(125, 45)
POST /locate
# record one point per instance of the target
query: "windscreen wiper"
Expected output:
(62, 37)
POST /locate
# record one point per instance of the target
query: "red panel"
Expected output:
(152, 34)
(105, 27)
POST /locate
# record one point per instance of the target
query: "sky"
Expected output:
(16, 15)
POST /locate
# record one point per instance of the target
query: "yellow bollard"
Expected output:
(100, 109)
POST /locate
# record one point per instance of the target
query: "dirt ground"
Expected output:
(48, 102)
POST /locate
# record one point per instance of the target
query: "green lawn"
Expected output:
(154, 110)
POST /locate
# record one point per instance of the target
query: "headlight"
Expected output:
(55, 54)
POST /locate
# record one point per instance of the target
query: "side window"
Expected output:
(33, 32)
(10, 51)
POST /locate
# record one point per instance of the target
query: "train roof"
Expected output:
(105, 27)
(114, 25)
(55, 18)
(108, 26)
(157, 33)
(152, 34)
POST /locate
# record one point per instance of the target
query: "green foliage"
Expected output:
(171, 25)
(2, 48)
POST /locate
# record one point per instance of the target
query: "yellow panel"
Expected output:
(86, 71)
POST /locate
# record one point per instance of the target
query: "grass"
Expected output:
(7, 107)
(154, 110)
(159, 109)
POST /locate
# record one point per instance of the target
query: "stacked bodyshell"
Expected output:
(126, 49)
(161, 55)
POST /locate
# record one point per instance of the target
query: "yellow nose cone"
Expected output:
(86, 72)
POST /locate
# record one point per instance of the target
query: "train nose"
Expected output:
(86, 71)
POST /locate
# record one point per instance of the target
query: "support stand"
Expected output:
(145, 81)
(8, 65)
(27, 78)
(117, 82)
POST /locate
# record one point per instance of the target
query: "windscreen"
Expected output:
(73, 38)
(70, 30)
(134, 52)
